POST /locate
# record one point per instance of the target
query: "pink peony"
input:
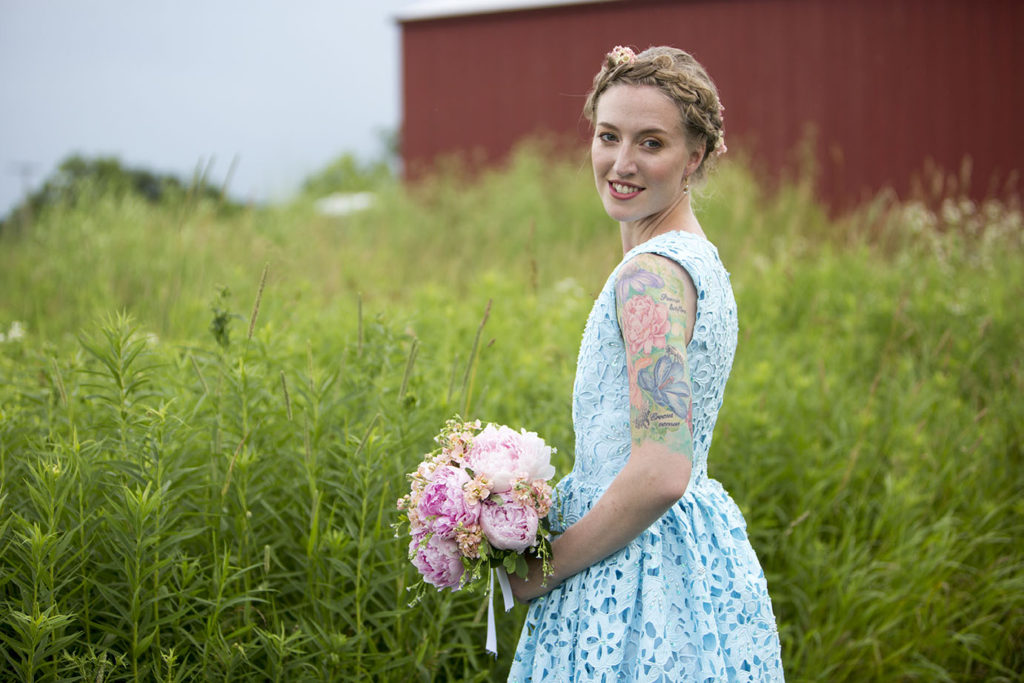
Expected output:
(509, 525)
(438, 560)
(644, 324)
(443, 505)
(503, 455)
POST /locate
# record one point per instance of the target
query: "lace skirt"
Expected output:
(684, 601)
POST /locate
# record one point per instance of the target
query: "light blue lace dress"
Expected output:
(686, 600)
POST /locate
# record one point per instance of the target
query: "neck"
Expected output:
(677, 217)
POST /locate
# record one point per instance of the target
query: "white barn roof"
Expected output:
(436, 9)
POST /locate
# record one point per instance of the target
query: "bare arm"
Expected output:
(653, 297)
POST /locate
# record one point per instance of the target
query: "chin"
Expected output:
(620, 213)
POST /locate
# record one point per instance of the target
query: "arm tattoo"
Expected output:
(652, 316)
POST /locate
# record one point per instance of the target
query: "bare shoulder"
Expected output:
(654, 273)
(652, 270)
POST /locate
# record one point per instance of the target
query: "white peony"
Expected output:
(504, 455)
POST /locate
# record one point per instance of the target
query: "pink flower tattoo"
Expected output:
(644, 325)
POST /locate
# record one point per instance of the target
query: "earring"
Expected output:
(686, 185)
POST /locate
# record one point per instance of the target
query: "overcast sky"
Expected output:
(286, 86)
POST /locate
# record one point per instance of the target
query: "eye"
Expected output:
(651, 143)
(607, 137)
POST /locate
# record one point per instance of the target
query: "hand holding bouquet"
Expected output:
(479, 502)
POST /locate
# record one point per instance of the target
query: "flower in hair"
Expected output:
(621, 55)
(720, 147)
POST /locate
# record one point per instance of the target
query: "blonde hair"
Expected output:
(683, 79)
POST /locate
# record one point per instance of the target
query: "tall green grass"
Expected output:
(178, 504)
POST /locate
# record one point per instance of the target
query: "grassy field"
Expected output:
(205, 418)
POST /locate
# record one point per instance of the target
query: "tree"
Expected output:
(80, 179)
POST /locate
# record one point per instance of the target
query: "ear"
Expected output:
(693, 163)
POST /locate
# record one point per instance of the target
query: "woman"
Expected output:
(654, 578)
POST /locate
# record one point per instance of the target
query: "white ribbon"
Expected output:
(506, 594)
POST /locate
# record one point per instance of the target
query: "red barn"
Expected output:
(885, 88)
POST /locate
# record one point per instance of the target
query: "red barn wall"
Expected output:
(888, 86)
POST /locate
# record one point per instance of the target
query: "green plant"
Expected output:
(176, 508)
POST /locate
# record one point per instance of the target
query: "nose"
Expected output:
(625, 163)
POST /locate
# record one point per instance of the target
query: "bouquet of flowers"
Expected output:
(476, 504)
(479, 501)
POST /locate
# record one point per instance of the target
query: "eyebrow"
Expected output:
(645, 131)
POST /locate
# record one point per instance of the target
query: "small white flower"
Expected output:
(16, 332)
